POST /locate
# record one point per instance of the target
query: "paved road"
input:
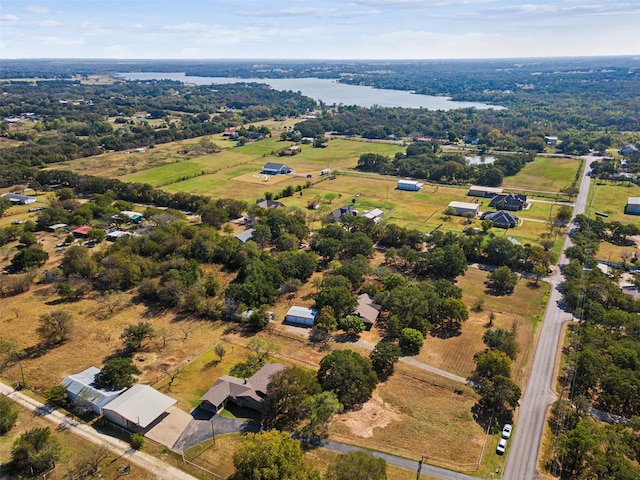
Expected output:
(155, 466)
(538, 395)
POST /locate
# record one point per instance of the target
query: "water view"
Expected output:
(328, 91)
(479, 159)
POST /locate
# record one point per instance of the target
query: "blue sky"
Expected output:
(329, 29)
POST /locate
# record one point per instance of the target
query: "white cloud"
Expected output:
(51, 40)
(186, 27)
(420, 3)
(36, 9)
(309, 12)
(8, 18)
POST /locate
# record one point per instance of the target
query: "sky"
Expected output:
(314, 29)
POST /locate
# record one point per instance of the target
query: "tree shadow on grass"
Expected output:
(445, 332)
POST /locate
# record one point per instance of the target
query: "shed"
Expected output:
(80, 389)
(375, 215)
(411, 185)
(301, 316)
(271, 168)
(116, 234)
(139, 408)
(633, 206)
(243, 392)
(134, 217)
(56, 227)
(482, 191)
(464, 208)
(245, 236)
(19, 199)
(82, 231)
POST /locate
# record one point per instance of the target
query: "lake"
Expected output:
(328, 91)
(480, 160)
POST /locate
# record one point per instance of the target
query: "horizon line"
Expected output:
(240, 59)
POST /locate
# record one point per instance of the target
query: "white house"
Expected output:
(80, 389)
(464, 208)
(301, 316)
(139, 408)
(411, 185)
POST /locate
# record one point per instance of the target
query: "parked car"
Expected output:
(506, 431)
(502, 446)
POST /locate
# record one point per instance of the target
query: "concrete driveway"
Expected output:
(169, 429)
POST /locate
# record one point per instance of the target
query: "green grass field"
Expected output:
(546, 174)
(610, 198)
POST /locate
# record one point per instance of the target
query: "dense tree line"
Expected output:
(602, 364)
(424, 160)
(71, 120)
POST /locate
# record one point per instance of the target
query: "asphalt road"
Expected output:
(522, 453)
(153, 465)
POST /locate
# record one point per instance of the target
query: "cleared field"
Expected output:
(522, 309)
(610, 198)
(401, 424)
(615, 253)
(547, 174)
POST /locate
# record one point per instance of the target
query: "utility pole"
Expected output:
(213, 432)
(23, 384)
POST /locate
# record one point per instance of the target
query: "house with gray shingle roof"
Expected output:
(245, 392)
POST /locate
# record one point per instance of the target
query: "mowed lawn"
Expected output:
(545, 174)
(610, 198)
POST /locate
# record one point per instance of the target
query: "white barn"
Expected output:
(464, 208)
(410, 185)
(301, 316)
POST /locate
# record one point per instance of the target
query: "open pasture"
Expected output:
(610, 198)
(523, 309)
(401, 424)
(544, 174)
(423, 210)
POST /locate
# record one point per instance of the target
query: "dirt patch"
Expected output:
(374, 414)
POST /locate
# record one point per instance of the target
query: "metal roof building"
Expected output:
(80, 389)
(138, 408)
